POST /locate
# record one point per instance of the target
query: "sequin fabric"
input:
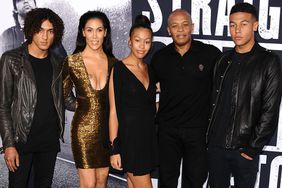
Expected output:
(88, 130)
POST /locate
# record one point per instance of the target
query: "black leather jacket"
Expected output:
(255, 102)
(18, 95)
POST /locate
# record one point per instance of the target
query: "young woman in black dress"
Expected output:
(132, 92)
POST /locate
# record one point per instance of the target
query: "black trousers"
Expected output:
(189, 145)
(223, 163)
(43, 169)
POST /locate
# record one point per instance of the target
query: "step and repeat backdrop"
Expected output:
(211, 26)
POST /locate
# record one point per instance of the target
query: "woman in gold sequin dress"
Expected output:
(87, 70)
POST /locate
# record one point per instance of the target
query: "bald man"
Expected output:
(184, 70)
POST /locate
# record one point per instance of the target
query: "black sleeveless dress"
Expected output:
(136, 109)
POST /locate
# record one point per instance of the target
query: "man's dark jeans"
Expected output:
(222, 163)
(189, 145)
(43, 168)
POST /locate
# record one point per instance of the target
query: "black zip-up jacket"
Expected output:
(18, 95)
(255, 101)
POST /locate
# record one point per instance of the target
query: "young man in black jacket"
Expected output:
(31, 103)
(245, 103)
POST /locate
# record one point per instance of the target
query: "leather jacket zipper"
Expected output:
(217, 97)
(61, 121)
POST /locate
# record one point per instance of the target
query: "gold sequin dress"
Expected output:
(90, 121)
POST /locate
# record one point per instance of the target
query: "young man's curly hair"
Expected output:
(34, 19)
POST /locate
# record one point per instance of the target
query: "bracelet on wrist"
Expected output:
(114, 147)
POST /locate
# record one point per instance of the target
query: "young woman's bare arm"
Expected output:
(113, 124)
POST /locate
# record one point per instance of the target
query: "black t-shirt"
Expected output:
(44, 133)
(186, 83)
(222, 122)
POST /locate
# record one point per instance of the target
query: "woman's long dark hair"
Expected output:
(80, 40)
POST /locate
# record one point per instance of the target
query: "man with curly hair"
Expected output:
(13, 37)
(31, 103)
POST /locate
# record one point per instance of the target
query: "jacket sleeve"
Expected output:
(6, 97)
(4, 41)
(271, 98)
(69, 98)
